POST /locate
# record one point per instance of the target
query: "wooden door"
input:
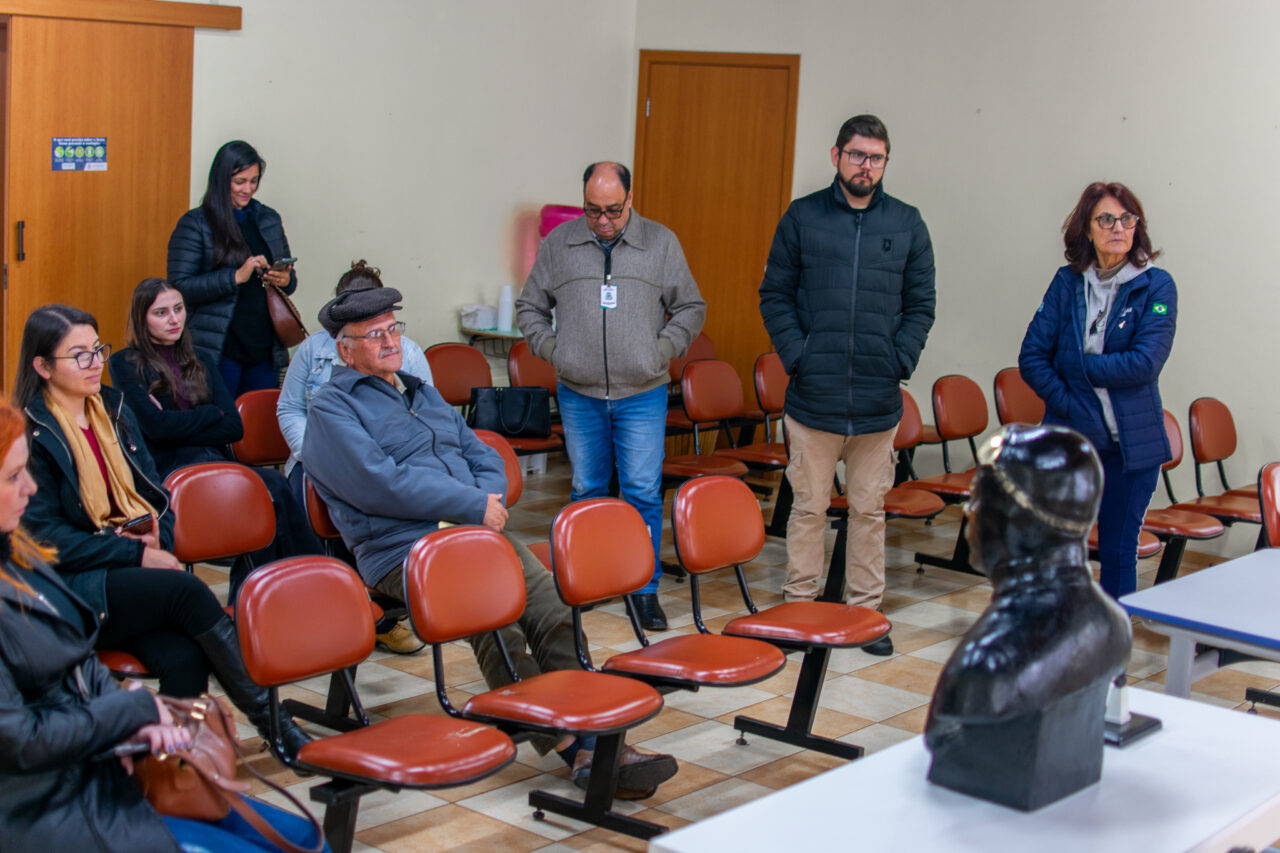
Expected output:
(715, 144)
(88, 237)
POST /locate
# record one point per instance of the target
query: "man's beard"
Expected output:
(858, 190)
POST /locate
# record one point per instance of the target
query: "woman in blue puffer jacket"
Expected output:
(1093, 352)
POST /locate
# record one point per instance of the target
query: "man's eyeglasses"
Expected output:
(613, 211)
(396, 328)
(857, 158)
(84, 359)
(1107, 221)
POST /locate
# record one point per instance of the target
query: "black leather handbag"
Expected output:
(513, 412)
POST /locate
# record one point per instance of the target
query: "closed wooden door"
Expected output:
(715, 143)
(86, 238)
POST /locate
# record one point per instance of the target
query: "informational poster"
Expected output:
(79, 154)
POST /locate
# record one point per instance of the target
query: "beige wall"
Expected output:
(1000, 112)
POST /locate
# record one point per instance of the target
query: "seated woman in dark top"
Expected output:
(94, 474)
(59, 708)
(187, 415)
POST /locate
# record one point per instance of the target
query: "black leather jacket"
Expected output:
(56, 516)
(58, 708)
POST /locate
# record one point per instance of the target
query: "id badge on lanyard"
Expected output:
(608, 293)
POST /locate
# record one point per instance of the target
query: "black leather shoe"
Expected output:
(650, 611)
(882, 647)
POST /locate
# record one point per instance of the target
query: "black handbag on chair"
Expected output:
(514, 412)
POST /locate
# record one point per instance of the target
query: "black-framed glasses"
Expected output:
(857, 158)
(84, 358)
(614, 211)
(1107, 221)
(397, 328)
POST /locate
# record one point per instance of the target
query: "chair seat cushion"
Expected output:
(929, 434)
(1244, 492)
(536, 445)
(1177, 522)
(414, 750)
(122, 663)
(701, 659)
(1148, 544)
(812, 623)
(569, 700)
(690, 466)
(1225, 507)
(771, 455)
(947, 485)
(899, 502)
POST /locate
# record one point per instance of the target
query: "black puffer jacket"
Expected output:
(210, 294)
(59, 707)
(848, 301)
(56, 516)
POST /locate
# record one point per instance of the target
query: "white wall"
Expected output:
(1000, 112)
(413, 133)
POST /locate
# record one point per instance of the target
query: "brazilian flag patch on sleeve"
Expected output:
(1159, 308)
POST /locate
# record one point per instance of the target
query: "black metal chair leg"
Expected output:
(342, 711)
(959, 559)
(781, 509)
(341, 800)
(804, 707)
(1171, 559)
(596, 807)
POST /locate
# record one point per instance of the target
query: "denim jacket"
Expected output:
(310, 368)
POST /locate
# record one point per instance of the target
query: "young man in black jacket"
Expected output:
(848, 300)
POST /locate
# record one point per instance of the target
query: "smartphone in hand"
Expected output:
(283, 264)
(140, 526)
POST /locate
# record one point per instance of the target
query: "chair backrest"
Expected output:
(771, 383)
(700, 348)
(1174, 433)
(959, 407)
(315, 597)
(456, 369)
(263, 443)
(600, 548)
(1269, 496)
(1213, 430)
(318, 512)
(525, 369)
(510, 462)
(910, 426)
(711, 390)
(1015, 401)
(220, 510)
(717, 523)
(462, 581)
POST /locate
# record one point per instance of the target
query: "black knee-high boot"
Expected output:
(222, 647)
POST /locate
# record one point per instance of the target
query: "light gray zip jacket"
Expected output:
(611, 353)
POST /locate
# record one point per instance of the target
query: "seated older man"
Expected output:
(393, 460)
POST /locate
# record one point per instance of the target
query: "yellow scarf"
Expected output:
(93, 489)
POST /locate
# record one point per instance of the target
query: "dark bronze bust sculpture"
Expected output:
(1017, 715)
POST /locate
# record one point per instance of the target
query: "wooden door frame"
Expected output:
(788, 61)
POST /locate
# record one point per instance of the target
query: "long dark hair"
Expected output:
(193, 381)
(1075, 231)
(44, 331)
(229, 249)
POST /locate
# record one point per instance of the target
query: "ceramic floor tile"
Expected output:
(939, 652)
(792, 769)
(377, 685)
(450, 828)
(714, 745)
(714, 701)
(939, 617)
(826, 722)
(904, 672)
(919, 587)
(877, 737)
(856, 697)
(376, 807)
(714, 799)
(510, 804)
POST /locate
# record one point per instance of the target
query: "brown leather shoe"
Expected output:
(639, 773)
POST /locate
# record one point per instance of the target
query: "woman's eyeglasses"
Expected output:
(84, 359)
(1107, 221)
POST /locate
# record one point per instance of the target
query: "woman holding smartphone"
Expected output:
(221, 254)
(95, 477)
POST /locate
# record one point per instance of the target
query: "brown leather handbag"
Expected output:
(284, 316)
(199, 783)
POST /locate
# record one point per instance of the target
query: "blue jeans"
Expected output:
(1124, 502)
(631, 431)
(234, 834)
(240, 378)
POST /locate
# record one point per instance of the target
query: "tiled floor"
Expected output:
(875, 702)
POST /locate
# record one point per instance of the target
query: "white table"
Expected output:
(1233, 605)
(1205, 782)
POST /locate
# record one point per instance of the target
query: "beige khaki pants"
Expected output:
(868, 465)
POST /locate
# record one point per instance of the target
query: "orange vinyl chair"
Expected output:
(463, 581)
(1213, 439)
(524, 369)
(1227, 508)
(1269, 494)
(707, 399)
(600, 549)
(515, 484)
(960, 412)
(263, 444)
(1015, 401)
(717, 525)
(678, 422)
(771, 388)
(286, 600)
(717, 396)
(1148, 544)
(455, 370)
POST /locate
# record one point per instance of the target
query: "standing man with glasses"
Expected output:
(848, 300)
(625, 304)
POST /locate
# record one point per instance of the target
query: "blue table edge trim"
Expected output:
(1203, 627)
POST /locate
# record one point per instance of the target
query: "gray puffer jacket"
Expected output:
(611, 353)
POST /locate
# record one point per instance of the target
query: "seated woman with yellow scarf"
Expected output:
(95, 481)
